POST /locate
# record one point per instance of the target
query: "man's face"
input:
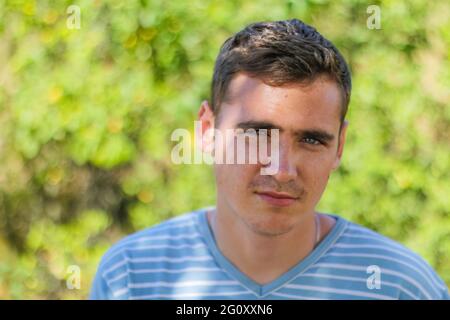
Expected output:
(308, 119)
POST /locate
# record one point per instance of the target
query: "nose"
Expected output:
(287, 169)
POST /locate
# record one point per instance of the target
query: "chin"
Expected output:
(271, 224)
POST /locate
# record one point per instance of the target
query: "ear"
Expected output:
(206, 118)
(340, 150)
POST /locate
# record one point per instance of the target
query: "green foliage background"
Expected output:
(86, 116)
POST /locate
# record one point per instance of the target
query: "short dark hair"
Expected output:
(278, 53)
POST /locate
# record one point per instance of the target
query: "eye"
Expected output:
(257, 131)
(311, 141)
(263, 132)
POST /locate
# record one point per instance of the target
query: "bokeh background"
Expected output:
(86, 117)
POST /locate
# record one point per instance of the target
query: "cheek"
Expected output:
(315, 169)
(235, 179)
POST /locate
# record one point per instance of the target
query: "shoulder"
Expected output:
(180, 225)
(142, 247)
(398, 265)
(183, 228)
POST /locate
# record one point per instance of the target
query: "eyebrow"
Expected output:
(319, 134)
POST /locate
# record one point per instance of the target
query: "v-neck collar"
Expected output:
(262, 290)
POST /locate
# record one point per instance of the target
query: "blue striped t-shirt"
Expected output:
(179, 259)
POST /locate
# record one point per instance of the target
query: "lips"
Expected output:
(279, 199)
(278, 195)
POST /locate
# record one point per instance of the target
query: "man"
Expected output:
(264, 239)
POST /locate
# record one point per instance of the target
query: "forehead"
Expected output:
(317, 104)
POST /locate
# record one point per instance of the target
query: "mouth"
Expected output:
(278, 199)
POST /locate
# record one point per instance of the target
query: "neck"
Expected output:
(263, 258)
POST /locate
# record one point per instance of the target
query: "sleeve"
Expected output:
(100, 289)
(442, 288)
(445, 295)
